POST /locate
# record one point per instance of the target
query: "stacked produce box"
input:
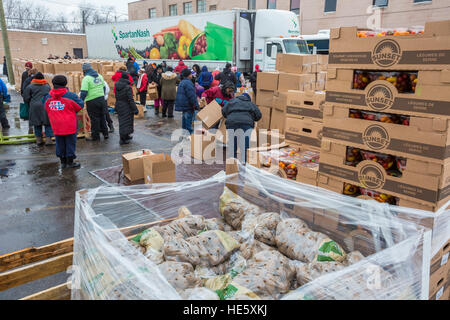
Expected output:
(386, 120)
(291, 101)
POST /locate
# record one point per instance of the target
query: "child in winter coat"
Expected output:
(62, 112)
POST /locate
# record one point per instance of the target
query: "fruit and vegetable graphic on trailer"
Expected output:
(184, 41)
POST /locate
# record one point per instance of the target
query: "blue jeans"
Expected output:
(186, 121)
(242, 140)
(38, 131)
(66, 145)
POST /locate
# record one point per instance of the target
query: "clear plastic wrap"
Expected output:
(357, 249)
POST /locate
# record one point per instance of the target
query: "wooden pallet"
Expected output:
(24, 266)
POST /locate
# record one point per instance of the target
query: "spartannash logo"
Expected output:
(386, 53)
(376, 137)
(371, 176)
(380, 97)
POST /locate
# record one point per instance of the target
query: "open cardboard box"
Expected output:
(203, 145)
(431, 97)
(301, 104)
(426, 139)
(427, 51)
(422, 182)
(133, 166)
(159, 168)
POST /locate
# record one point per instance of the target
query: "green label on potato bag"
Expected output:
(330, 251)
(227, 293)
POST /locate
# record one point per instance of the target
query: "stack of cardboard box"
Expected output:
(386, 121)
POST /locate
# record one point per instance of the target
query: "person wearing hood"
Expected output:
(4, 97)
(142, 87)
(221, 94)
(180, 67)
(241, 115)
(186, 100)
(253, 78)
(133, 68)
(226, 75)
(118, 74)
(215, 83)
(62, 107)
(205, 78)
(169, 82)
(38, 118)
(126, 108)
(164, 66)
(93, 94)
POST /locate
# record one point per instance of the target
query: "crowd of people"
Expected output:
(52, 108)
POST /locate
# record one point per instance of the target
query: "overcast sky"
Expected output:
(57, 6)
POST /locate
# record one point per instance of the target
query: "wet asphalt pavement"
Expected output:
(37, 197)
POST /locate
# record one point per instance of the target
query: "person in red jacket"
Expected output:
(180, 67)
(62, 113)
(142, 86)
(118, 74)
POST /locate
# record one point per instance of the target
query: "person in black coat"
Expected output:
(253, 78)
(226, 75)
(241, 113)
(25, 76)
(125, 107)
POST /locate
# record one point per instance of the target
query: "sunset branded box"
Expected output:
(418, 181)
(425, 139)
(304, 132)
(301, 104)
(430, 99)
(427, 51)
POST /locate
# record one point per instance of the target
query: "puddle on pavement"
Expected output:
(5, 166)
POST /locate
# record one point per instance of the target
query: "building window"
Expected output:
(251, 4)
(152, 13)
(295, 6)
(201, 5)
(420, 1)
(173, 10)
(380, 3)
(187, 7)
(213, 7)
(271, 4)
(330, 6)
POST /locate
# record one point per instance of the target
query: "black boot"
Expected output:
(63, 162)
(5, 123)
(71, 164)
(111, 128)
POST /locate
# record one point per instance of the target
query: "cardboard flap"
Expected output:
(335, 33)
(445, 76)
(437, 28)
(210, 115)
(440, 124)
(326, 145)
(332, 73)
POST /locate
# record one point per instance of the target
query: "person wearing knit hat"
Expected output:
(62, 107)
(253, 79)
(26, 80)
(34, 95)
(93, 94)
(186, 100)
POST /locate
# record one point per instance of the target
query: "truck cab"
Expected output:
(273, 46)
(276, 31)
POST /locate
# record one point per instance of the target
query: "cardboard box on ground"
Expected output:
(159, 168)
(133, 165)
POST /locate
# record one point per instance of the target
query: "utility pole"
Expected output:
(6, 45)
(83, 21)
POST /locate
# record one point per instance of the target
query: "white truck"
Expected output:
(244, 38)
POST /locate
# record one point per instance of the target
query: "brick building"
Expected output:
(29, 44)
(314, 15)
